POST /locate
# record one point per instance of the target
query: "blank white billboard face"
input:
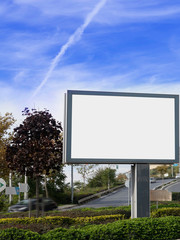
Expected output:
(122, 128)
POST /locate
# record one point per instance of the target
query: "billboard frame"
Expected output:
(68, 129)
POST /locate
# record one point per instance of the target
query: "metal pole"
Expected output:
(129, 186)
(72, 187)
(25, 181)
(108, 178)
(19, 196)
(179, 160)
(128, 192)
(133, 190)
(10, 185)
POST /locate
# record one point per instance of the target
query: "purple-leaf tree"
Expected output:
(36, 146)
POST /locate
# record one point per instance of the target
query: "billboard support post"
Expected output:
(72, 185)
(140, 199)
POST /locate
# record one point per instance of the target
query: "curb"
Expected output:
(66, 207)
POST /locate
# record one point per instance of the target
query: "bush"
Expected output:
(142, 229)
(139, 229)
(163, 212)
(3, 202)
(56, 220)
(18, 234)
(176, 196)
(45, 220)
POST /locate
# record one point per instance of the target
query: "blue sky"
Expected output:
(109, 45)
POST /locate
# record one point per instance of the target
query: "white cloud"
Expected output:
(52, 96)
(32, 33)
(118, 12)
(38, 12)
(72, 40)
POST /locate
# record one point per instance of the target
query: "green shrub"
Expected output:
(46, 220)
(56, 220)
(139, 229)
(166, 228)
(165, 205)
(18, 234)
(4, 202)
(99, 219)
(163, 212)
(176, 196)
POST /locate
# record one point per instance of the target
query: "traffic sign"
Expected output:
(127, 183)
(23, 187)
(2, 184)
(12, 190)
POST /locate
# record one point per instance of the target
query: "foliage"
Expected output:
(163, 212)
(176, 196)
(142, 229)
(57, 220)
(156, 172)
(18, 234)
(103, 177)
(156, 227)
(162, 170)
(163, 204)
(85, 170)
(121, 178)
(36, 145)
(139, 229)
(175, 170)
(55, 184)
(78, 185)
(4, 202)
(6, 123)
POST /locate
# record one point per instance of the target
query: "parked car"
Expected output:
(152, 180)
(178, 175)
(44, 203)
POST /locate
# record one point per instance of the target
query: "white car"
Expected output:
(152, 180)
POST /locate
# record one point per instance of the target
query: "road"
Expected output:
(159, 183)
(174, 188)
(118, 198)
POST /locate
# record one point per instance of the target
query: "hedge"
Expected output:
(163, 212)
(61, 220)
(19, 234)
(176, 196)
(139, 229)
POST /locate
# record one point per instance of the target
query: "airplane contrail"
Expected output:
(72, 39)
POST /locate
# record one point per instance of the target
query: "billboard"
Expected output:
(116, 127)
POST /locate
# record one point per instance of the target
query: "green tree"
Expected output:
(85, 170)
(6, 122)
(55, 184)
(36, 147)
(103, 178)
(162, 170)
(121, 178)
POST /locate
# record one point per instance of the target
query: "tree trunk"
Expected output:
(45, 186)
(37, 196)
